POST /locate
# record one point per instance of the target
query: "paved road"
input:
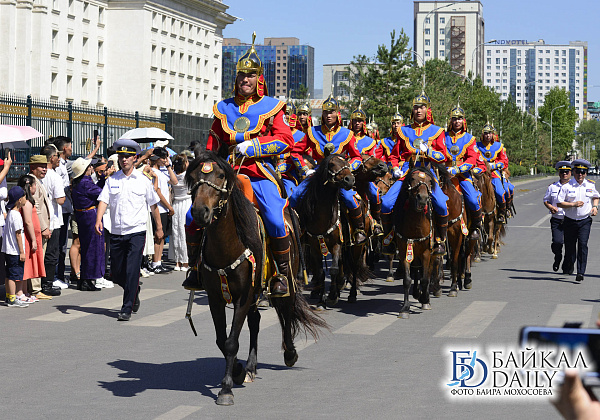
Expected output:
(69, 358)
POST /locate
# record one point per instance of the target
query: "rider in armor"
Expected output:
(253, 125)
(304, 119)
(460, 145)
(423, 139)
(495, 154)
(367, 145)
(330, 135)
(384, 150)
(286, 168)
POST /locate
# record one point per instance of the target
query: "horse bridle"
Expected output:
(417, 185)
(333, 174)
(223, 190)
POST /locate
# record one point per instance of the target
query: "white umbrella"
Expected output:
(146, 134)
(17, 135)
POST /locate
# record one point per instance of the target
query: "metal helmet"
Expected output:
(331, 104)
(488, 128)
(359, 114)
(250, 61)
(305, 106)
(397, 117)
(457, 111)
(422, 99)
(290, 108)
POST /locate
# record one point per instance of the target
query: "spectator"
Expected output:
(160, 158)
(85, 201)
(65, 149)
(56, 193)
(13, 248)
(38, 166)
(5, 167)
(34, 252)
(182, 201)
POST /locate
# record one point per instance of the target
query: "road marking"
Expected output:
(570, 313)
(73, 311)
(472, 321)
(542, 220)
(370, 324)
(178, 413)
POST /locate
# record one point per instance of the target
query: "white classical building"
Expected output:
(528, 70)
(452, 30)
(141, 55)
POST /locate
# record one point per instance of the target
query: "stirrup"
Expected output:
(377, 229)
(439, 248)
(278, 278)
(192, 280)
(356, 233)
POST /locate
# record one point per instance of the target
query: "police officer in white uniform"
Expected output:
(128, 194)
(558, 214)
(579, 199)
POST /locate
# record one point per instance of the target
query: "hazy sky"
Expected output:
(338, 33)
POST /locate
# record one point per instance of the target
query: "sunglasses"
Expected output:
(580, 171)
(564, 171)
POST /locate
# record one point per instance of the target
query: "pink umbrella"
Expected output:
(17, 133)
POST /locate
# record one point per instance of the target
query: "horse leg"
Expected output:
(405, 309)
(318, 279)
(416, 276)
(336, 273)
(254, 327)
(285, 307)
(437, 274)
(454, 274)
(425, 279)
(390, 275)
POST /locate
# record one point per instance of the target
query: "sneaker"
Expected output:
(60, 284)
(15, 303)
(177, 268)
(26, 299)
(42, 295)
(33, 298)
(144, 273)
(104, 284)
(161, 269)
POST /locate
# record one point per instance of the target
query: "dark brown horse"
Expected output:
(413, 223)
(233, 272)
(320, 217)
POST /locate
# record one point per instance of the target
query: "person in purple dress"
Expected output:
(84, 194)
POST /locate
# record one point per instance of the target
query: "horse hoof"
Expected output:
(438, 293)
(332, 302)
(477, 259)
(240, 376)
(320, 307)
(452, 293)
(263, 303)
(290, 361)
(403, 315)
(426, 306)
(225, 399)
(390, 279)
(351, 299)
(468, 285)
(494, 256)
(249, 377)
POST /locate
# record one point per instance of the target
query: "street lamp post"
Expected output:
(463, 76)
(425, 22)
(417, 55)
(473, 55)
(551, 129)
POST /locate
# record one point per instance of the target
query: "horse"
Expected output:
(492, 231)
(319, 210)
(233, 269)
(457, 230)
(413, 224)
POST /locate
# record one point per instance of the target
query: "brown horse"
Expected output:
(456, 235)
(320, 217)
(234, 272)
(413, 223)
(483, 182)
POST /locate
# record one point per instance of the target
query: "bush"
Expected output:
(517, 170)
(543, 169)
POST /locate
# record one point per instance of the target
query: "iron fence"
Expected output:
(78, 122)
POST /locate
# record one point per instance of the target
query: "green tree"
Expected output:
(563, 121)
(588, 138)
(300, 93)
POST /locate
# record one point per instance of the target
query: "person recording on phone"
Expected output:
(579, 199)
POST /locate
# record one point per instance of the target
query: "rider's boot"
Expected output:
(509, 213)
(388, 242)
(441, 228)
(280, 248)
(501, 213)
(376, 213)
(193, 238)
(475, 224)
(358, 223)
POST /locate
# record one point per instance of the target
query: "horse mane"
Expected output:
(309, 202)
(243, 210)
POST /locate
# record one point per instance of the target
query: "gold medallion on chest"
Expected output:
(241, 125)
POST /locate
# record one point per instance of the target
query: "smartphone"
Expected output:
(571, 339)
(95, 134)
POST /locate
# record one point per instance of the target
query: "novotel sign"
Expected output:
(510, 42)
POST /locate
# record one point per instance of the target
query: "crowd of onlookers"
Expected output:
(60, 195)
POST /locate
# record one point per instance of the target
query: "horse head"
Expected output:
(420, 184)
(338, 172)
(208, 177)
(372, 166)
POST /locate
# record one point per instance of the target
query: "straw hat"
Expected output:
(79, 167)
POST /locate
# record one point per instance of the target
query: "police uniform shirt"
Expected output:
(552, 198)
(128, 198)
(573, 191)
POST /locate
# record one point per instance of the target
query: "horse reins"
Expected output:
(334, 174)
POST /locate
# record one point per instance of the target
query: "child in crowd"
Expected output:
(13, 242)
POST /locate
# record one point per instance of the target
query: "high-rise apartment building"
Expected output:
(528, 70)
(450, 30)
(146, 56)
(286, 63)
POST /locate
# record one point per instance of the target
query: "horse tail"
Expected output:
(296, 226)
(302, 318)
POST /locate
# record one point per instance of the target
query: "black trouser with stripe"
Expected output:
(125, 259)
(558, 240)
(577, 233)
